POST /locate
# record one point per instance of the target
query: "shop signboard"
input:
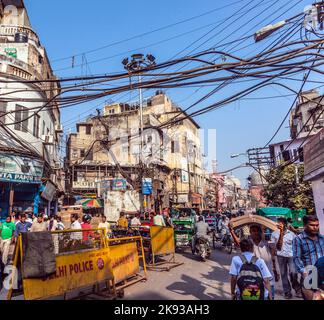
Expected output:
(84, 185)
(20, 169)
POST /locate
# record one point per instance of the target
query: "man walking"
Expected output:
(6, 231)
(262, 249)
(308, 248)
(283, 240)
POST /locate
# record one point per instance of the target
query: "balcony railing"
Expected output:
(7, 30)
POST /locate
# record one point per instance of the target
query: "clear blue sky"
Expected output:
(71, 27)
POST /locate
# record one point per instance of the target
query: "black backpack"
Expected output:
(250, 280)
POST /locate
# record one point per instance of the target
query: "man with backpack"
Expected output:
(262, 249)
(250, 276)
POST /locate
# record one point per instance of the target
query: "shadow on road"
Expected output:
(191, 287)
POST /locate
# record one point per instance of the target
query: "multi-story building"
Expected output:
(110, 146)
(314, 172)
(29, 155)
(285, 151)
(306, 120)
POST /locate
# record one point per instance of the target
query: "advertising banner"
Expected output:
(119, 185)
(147, 187)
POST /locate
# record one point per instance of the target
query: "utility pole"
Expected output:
(136, 65)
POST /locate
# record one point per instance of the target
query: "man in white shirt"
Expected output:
(158, 220)
(283, 240)
(75, 225)
(136, 221)
(247, 248)
(104, 225)
(262, 249)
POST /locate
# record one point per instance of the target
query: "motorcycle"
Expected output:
(225, 240)
(203, 248)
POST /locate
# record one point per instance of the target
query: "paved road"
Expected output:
(194, 280)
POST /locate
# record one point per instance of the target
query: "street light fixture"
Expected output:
(268, 30)
(233, 156)
(137, 63)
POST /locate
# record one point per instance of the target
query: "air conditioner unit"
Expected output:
(59, 128)
(48, 140)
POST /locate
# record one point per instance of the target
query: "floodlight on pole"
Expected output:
(268, 30)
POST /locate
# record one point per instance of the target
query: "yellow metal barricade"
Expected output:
(81, 261)
(126, 255)
(163, 244)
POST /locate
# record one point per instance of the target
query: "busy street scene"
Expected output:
(164, 151)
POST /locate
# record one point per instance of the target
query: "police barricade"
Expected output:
(83, 262)
(162, 245)
(127, 260)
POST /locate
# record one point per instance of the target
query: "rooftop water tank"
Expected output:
(21, 37)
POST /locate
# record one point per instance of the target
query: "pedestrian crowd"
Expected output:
(16, 225)
(300, 257)
(148, 219)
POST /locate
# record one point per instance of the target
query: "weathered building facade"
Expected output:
(109, 147)
(29, 143)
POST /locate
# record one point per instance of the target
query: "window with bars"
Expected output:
(21, 120)
(88, 130)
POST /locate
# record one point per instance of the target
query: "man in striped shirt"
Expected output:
(308, 248)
